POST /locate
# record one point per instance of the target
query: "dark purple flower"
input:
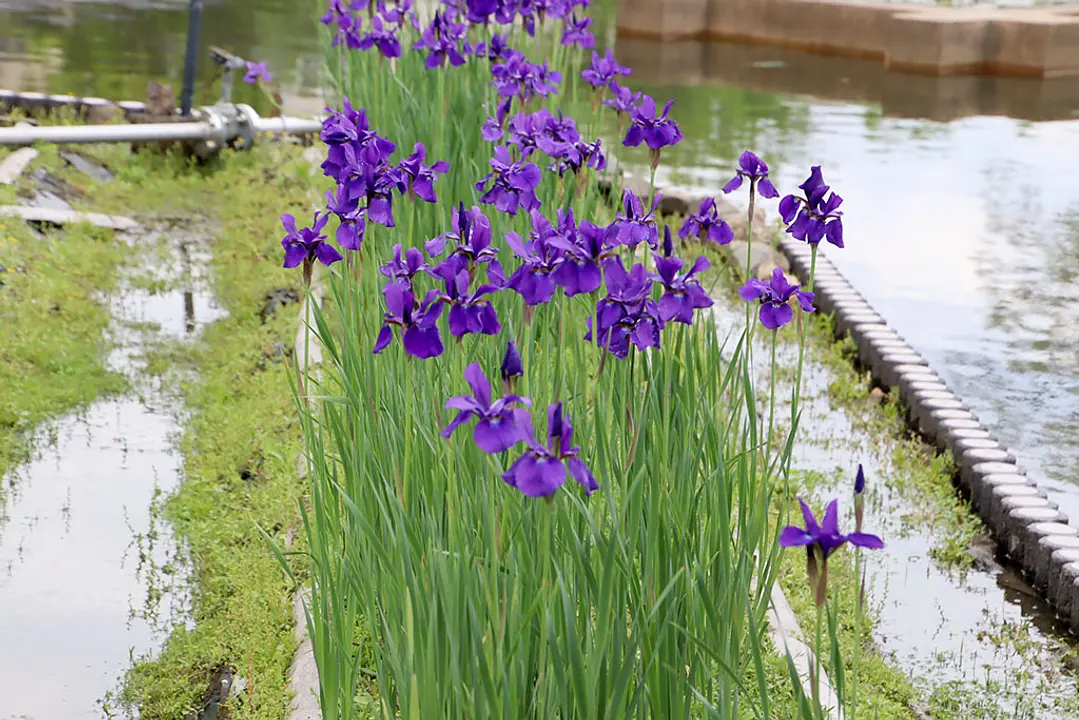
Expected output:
(752, 168)
(574, 157)
(495, 50)
(257, 71)
(623, 99)
(512, 365)
(419, 326)
(423, 177)
(682, 293)
(859, 481)
(633, 226)
(583, 249)
(306, 245)
(377, 184)
(470, 312)
(816, 215)
(353, 218)
(352, 144)
(479, 12)
(516, 77)
(497, 428)
(382, 37)
(472, 239)
(707, 223)
(541, 470)
(493, 127)
(825, 537)
(442, 39)
(404, 268)
(577, 32)
(859, 498)
(655, 131)
(513, 184)
(627, 314)
(533, 280)
(774, 297)
(604, 70)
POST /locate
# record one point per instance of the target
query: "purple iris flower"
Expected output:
(406, 268)
(353, 218)
(633, 226)
(604, 70)
(583, 250)
(707, 223)
(574, 157)
(533, 280)
(377, 184)
(623, 100)
(470, 312)
(472, 239)
(774, 297)
(816, 215)
(497, 428)
(627, 314)
(557, 131)
(513, 184)
(655, 131)
(516, 77)
(821, 540)
(495, 50)
(479, 12)
(382, 37)
(257, 71)
(525, 130)
(541, 470)
(512, 367)
(442, 39)
(752, 168)
(306, 245)
(577, 33)
(682, 293)
(422, 176)
(493, 127)
(351, 142)
(419, 326)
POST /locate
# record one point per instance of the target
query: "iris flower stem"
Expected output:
(818, 642)
(853, 706)
(771, 405)
(795, 398)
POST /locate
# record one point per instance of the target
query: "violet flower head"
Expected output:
(623, 100)
(859, 498)
(496, 50)
(497, 428)
(479, 12)
(471, 237)
(534, 280)
(706, 223)
(774, 297)
(516, 77)
(422, 176)
(627, 314)
(419, 325)
(494, 127)
(256, 71)
(682, 293)
(305, 246)
(382, 37)
(442, 41)
(655, 131)
(633, 226)
(752, 168)
(470, 312)
(816, 215)
(512, 366)
(404, 268)
(859, 481)
(513, 183)
(583, 251)
(352, 217)
(604, 70)
(575, 157)
(820, 541)
(577, 32)
(542, 469)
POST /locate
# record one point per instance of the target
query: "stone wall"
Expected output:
(1032, 42)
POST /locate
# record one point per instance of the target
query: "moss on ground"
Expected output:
(241, 437)
(54, 293)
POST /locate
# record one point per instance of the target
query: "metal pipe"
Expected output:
(194, 18)
(148, 132)
(293, 126)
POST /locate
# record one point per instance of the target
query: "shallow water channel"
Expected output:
(90, 576)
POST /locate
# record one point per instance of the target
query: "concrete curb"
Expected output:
(1028, 527)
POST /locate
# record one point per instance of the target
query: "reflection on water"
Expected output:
(82, 548)
(964, 234)
(113, 49)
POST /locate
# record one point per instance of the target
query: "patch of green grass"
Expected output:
(53, 318)
(241, 437)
